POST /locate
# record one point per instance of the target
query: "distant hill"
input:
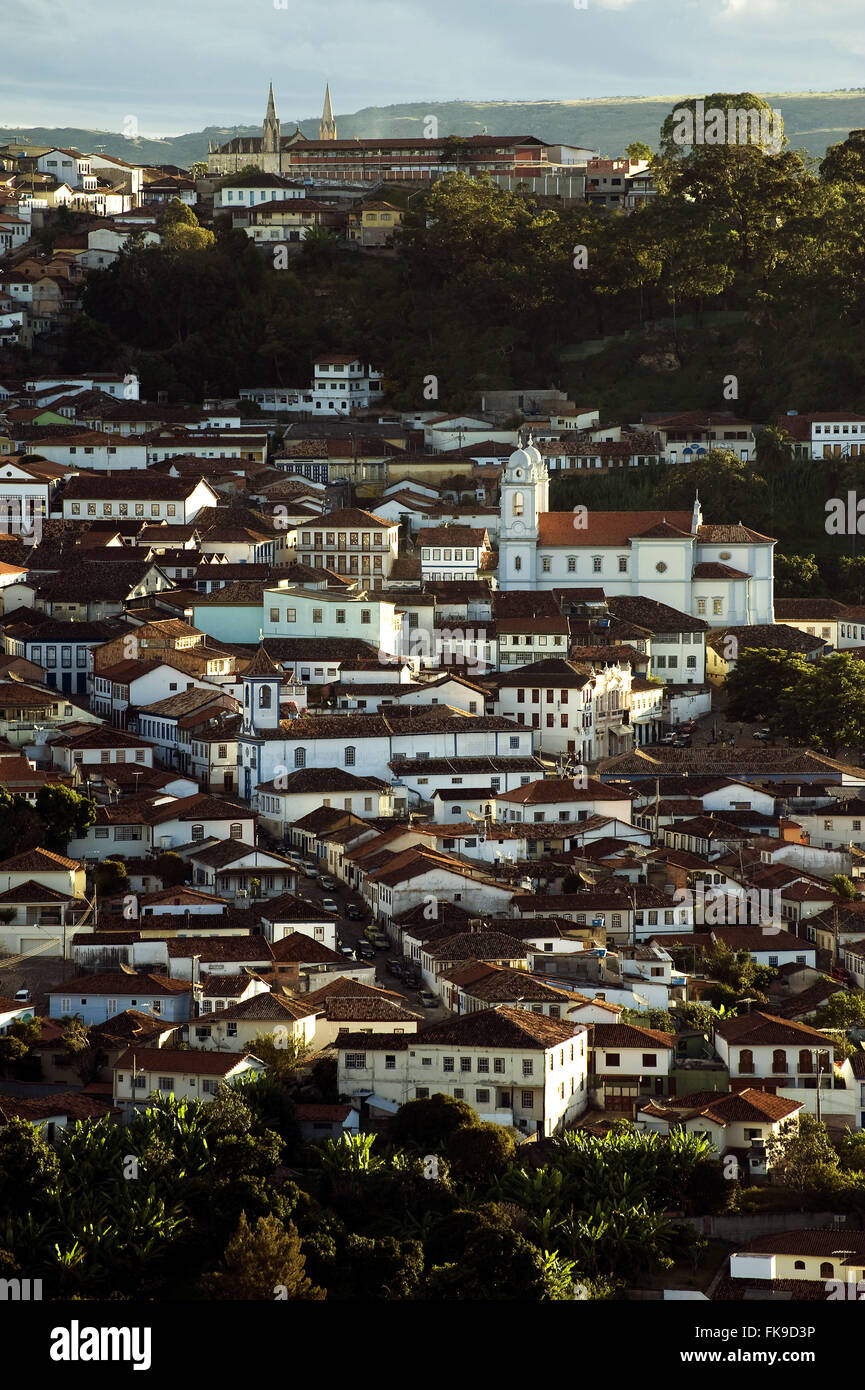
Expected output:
(812, 121)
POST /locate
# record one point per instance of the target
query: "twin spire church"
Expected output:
(723, 573)
(269, 151)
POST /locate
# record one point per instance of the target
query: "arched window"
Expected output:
(349, 756)
(799, 1264)
(827, 1270)
(779, 1060)
(806, 1062)
(264, 697)
(457, 810)
(746, 1060)
(518, 564)
(518, 504)
(300, 757)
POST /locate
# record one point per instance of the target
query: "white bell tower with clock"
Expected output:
(524, 495)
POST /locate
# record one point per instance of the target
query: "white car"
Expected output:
(330, 905)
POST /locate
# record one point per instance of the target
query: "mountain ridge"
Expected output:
(812, 121)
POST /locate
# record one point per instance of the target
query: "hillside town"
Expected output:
(354, 762)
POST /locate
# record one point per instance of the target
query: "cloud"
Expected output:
(180, 66)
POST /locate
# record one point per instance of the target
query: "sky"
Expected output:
(176, 66)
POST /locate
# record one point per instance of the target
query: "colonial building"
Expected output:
(711, 571)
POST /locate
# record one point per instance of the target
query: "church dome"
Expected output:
(533, 452)
(520, 462)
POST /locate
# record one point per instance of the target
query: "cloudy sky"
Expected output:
(179, 65)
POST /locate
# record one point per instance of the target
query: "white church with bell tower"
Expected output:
(721, 572)
(525, 494)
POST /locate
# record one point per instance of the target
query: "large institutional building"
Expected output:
(390, 160)
(723, 573)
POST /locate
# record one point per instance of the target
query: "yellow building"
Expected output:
(373, 224)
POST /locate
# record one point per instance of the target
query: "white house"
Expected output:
(191, 1075)
(629, 1062)
(512, 1066)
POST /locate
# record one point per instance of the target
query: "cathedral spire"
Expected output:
(270, 131)
(327, 124)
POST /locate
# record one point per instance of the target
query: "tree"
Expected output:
(20, 827)
(381, 1268)
(28, 1164)
(171, 868)
(496, 1265)
(64, 813)
(845, 162)
(846, 1009)
(638, 149)
(649, 1018)
(430, 1123)
(176, 214)
(184, 238)
(825, 707)
(19, 1039)
(844, 887)
(796, 1151)
(796, 576)
(759, 680)
(110, 877)
(263, 1263)
(479, 1151)
(280, 1050)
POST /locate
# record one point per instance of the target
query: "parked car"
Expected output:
(364, 951)
(330, 884)
(355, 913)
(683, 741)
(330, 905)
(394, 967)
(310, 871)
(412, 978)
(428, 999)
(346, 951)
(371, 931)
(667, 738)
(763, 735)
(381, 942)
(23, 996)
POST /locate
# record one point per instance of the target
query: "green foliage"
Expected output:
(27, 1165)
(280, 1050)
(19, 1039)
(649, 1018)
(110, 877)
(736, 972)
(429, 1124)
(844, 887)
(797, 576)
(795, 1153)
(846, 1009)
(64, 813)
(759, 681)
(264, 1262)
(171, 868)
(495, 1265)
(480, 1151)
